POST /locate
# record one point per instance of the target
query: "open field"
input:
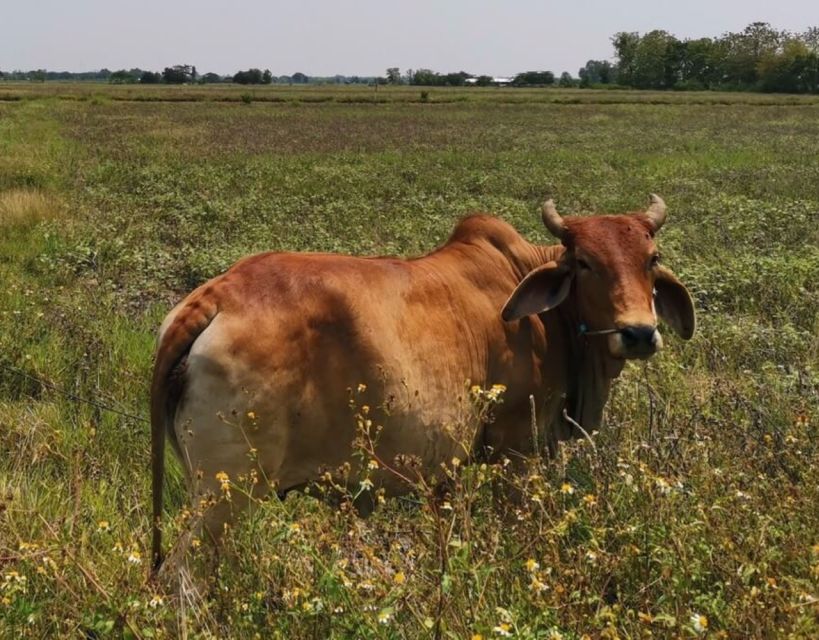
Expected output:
(353, 94)
(700, 500)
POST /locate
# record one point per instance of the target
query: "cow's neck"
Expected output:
(589, 370)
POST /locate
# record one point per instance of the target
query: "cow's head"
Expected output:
(620, 285)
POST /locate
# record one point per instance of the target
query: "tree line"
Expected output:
(180, 74)
(758, 58)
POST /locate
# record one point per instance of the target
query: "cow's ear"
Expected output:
(542, 289)
(673, 303)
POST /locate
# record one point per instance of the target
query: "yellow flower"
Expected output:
(372, 464)
(362, 387)
(155, 602)
(532, 565)
(135, 557)
(251, 415)
(477, 636)
(503, 629)
(399, 578)
(566, 489)
(103, 526)
(663, 485)
(224, 481)
(590, 500)
(537, 586)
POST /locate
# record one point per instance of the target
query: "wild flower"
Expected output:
(537, 586)
(699, 622)
(566, 489)
(532, 565)
(590, 500)
(134, 557)
(384, 616)
(156, 601)
(504, 630)
(251, 415)
(399, 578)
(103, 526)
(224, 481)
(662, 485)
(366, 484)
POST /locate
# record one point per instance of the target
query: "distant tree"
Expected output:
(210, 78)
(38, 75)
(566, 80)
(536, 78)
(299, 78)
(251, 76)
(150, 77)
(625, 50)
(123, 77)
(699, 64)
(394, 75)
(596, 72)
(457, 79)
(425, 77)
(178, 74)
(267, 77)
(811, 39)
(484, 81)
(740, 54)
(794, 69)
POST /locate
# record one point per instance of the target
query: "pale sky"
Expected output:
(362, 37)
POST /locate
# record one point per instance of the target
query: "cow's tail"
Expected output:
(182, 330)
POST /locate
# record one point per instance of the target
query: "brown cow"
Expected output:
(261, 359)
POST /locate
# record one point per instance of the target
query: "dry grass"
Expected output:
(26, 207)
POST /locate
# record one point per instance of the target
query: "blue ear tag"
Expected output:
(583, 328)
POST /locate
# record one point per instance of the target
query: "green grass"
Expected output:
(704, 486)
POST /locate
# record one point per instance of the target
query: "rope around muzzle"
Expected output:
(583, 330)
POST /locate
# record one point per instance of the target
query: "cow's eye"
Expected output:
(655, 260)
(583, 264)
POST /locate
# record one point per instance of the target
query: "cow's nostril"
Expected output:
(637, 335)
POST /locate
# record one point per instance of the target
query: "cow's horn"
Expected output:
(656, 211)
(552, 219)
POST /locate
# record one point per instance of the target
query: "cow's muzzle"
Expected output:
(635, 341)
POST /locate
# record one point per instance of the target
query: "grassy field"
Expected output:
(696, 515)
